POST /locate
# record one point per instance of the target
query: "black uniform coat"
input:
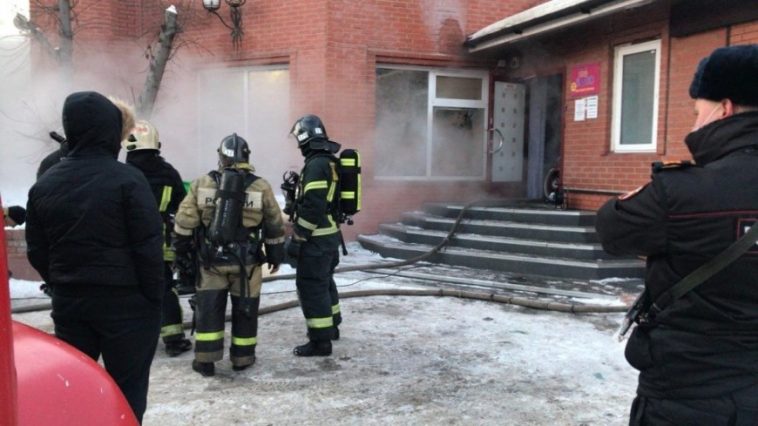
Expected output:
(92, 221)
(706, 343)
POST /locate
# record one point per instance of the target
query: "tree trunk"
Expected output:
(66, 48)
(146, 100)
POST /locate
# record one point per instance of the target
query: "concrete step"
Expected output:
(528, 214)
(564, 234)
(514, 263)
(412, 234)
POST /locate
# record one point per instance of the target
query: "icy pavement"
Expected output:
(409, 360)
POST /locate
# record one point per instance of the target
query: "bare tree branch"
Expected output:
(146, 100)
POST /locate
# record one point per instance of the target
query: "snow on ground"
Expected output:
(405, 360)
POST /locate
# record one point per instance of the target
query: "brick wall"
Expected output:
(588, 161)
(332, 48)
(17, 263)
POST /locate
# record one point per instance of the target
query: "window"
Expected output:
(430, 124)
(254, 103)
(635, 97)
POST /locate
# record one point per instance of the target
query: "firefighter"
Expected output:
(231, 213)
(316, 236)
(142, 148)
(697, 351)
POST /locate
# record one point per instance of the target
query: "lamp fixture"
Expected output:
(235, 14)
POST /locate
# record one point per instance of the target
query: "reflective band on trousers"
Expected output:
(325, 322)
(244, 341)
(335, 309)
(209, 337)
(319, 184)
(171, 330)
(165, 199)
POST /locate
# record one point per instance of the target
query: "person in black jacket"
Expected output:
(143, 152)
(94, 234)
(316, 236)
(698, 354)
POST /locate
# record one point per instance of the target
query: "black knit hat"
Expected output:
(728, 73)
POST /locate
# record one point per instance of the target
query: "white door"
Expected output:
(507, 133)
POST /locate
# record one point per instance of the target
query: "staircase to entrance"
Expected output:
(522, 238)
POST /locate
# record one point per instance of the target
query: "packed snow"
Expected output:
(404, 360)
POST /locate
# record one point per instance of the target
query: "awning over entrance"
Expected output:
(550, 16)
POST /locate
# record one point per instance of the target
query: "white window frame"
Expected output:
(432, 102)
(618, 72)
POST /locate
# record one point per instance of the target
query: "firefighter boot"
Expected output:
(206, 369)
(178, 347)
(314, 348)
(242, 367)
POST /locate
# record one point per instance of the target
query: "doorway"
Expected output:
(544, 118)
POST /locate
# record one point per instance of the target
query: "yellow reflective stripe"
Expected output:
(171, 330)
(244, 341)
(318, 184)
(305, 224)
(325, 322)
(331, 229)
(347, 195)
(330, 194)
(335, 309)
(209, 337)
(168, 254)
(165, 199)
(358, 208)
(347, 162)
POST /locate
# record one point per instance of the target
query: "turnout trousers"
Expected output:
(215, 284)
(316, 288)
(171, 311)
(122, 328)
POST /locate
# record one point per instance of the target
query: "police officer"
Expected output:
(316, 236)
(142, 148)
(232, 214)
(697, 354)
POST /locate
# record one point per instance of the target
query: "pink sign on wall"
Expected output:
(584, 80)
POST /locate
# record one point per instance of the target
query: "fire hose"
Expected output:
(484, 296)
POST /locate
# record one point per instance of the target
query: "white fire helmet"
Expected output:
(143, 136)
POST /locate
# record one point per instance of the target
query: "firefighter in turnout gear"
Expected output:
(232, 214)
(142, 148)
(316, 236)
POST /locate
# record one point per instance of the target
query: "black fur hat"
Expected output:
(728, 73)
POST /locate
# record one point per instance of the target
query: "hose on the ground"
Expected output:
(573, 308)
(519, 301)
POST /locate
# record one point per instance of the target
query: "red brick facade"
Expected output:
(332, 48)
